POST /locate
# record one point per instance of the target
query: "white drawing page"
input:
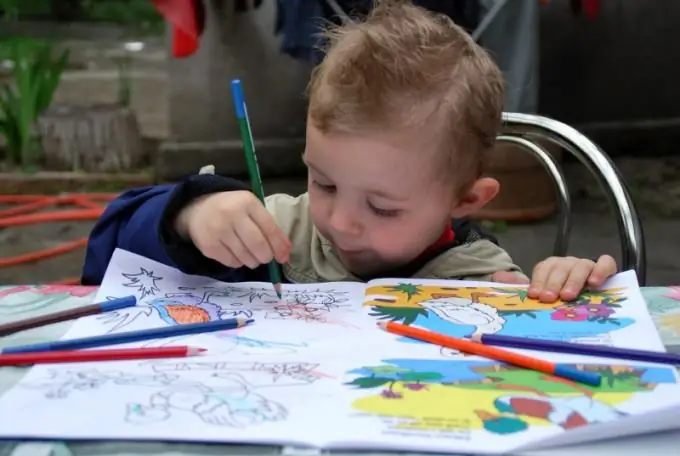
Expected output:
(310, 318)
(195, 399)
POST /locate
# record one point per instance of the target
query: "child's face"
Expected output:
(376, 198)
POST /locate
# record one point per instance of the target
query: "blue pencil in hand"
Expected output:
(131, 336)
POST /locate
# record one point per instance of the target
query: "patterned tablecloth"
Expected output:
(18, 302)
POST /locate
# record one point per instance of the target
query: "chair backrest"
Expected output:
(524, 129)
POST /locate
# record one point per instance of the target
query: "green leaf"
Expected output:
(369, 382)
(37, 74)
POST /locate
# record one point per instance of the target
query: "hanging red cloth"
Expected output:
(590, 7)
(186, 19)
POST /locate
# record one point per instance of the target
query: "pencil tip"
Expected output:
(277, 288)
(381, 324)
(193, 351)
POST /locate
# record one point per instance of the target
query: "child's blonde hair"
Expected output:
(405, 67)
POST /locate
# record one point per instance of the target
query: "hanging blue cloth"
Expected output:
(300, 22)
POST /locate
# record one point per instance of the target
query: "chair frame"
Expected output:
(525, 129)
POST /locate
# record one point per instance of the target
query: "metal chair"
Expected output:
(524, 129)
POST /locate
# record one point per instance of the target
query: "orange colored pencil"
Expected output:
(498, 354)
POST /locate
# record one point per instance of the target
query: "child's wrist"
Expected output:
(182, 221)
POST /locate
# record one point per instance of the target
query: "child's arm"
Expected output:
(141, 221)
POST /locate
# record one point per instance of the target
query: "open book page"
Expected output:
(313, 370)
(419, 393)
(312, 316)
(266, 383)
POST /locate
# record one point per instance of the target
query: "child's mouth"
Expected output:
(350, 253)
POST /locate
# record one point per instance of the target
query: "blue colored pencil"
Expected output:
(251, 162)
(578, 349)
(68, 314)
(130, 336)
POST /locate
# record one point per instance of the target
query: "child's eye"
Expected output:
(325, 188)
(384, 212)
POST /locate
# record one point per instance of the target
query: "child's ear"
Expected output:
(478, 196)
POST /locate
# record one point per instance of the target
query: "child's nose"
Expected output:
(343, 221)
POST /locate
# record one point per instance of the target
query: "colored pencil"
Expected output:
(253, 168)
(579, 349)
(69, 314)
(82, 356)
(474, 348)
(130, 336)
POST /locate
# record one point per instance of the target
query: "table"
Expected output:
(18, 302)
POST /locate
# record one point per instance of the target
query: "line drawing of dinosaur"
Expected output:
(216, 393)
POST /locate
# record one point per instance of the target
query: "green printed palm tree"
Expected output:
(405, 315)
(521, 293)
(613, 378)
(380, 375)
(607, 298)
(389, 376)
(409, 289)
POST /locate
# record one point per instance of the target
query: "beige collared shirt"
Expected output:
(313, 260)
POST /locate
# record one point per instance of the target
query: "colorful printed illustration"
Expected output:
(209, 303)
(502, 399)
(464, 311)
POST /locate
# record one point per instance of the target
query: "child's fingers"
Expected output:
(539, 277)
(576, 280)
(278, 241)
(218, 251)
(557, 278)
(603, 269)
(253, 239)
(236, 240)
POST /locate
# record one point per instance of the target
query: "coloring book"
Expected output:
(314, 371)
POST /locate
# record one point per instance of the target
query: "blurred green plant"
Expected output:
(9, 8)
(35, 75)
(140, 16)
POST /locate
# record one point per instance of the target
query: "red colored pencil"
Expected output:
(81, 356)
(494, 353)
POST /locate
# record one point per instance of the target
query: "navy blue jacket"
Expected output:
(141, 221)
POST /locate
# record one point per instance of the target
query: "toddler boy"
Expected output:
(402, 113)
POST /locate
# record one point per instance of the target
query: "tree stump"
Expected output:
(100, 138)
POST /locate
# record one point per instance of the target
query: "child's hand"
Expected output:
(566, 277)
(233, 228)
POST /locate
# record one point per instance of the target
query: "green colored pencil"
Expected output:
(253, 168)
